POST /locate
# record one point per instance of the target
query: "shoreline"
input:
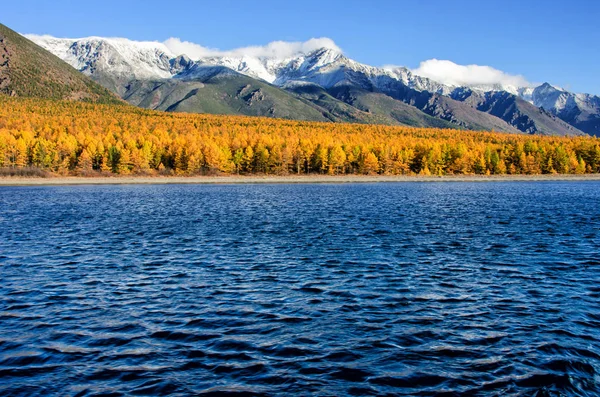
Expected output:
(289, 179)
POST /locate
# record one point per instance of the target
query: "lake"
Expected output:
(451, 288)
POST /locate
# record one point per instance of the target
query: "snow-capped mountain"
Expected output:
(153, 60)
(114, 62)
(561, 101)
(325, 67)
(579, 110)
(122, 57)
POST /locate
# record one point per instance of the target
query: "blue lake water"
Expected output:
(488, 289)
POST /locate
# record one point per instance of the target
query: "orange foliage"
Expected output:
(74, 137)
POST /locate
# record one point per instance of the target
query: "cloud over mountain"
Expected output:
(448, 72)
(275, 49)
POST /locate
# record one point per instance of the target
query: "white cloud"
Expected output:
(275, 49)
(450, 73)
(192, 50)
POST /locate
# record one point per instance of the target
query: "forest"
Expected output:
(78, 138)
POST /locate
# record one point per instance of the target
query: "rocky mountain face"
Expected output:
(516, 111)
(320, 85)
(579, 110)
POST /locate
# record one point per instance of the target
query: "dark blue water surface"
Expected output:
(489, 289)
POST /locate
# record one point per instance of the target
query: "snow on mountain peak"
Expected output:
(123, 57)
(150, 59)
(276, 50)
(317, 60)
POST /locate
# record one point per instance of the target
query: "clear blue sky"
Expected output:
(544, 40)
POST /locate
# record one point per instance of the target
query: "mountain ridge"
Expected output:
(116, 62)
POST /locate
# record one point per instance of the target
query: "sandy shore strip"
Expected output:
(255, 179)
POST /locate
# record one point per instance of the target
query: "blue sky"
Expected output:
(554, 41)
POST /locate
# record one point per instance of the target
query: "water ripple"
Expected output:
(410, 289)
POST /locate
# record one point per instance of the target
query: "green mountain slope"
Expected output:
(223, 92)
(385, 109)
(28, 70)
(335, 109)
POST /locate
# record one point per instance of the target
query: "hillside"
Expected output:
(27, 70)
(521, 114)
(221, 91)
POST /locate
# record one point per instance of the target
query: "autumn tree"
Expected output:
(65, 137)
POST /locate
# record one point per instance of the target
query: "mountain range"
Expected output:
(321, 85)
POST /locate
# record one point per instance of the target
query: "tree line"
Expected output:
(78, 138)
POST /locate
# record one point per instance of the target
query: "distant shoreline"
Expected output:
(290, 179)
